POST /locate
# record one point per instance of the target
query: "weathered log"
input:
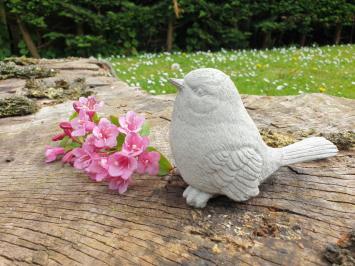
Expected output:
(52, 214)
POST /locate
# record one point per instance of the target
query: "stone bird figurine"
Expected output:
(216, 145)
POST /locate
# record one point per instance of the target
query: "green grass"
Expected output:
(282, 71)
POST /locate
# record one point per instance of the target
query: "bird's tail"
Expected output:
(307, 150)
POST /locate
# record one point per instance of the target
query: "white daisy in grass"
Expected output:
(280, 87)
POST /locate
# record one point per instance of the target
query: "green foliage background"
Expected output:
(61, 28)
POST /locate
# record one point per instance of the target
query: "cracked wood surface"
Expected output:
(52, 214)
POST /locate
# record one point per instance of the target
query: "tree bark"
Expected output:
(170, 30)
(27, 39)
(303, 40)
(5, 43)
(337, 36)
(176, 8)
(266, 40)
(352, 30)
(279, 39)
(2, 13)
(52, 214)
(80, 29)
(170, 34)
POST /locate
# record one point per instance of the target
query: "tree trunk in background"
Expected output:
(279, 39)
(28, 39)
(79, 29)
(5, 47)
(266, 39)
(15, 36)
(2, 13)
(352, 31)
(170, 31)
(303, 40)
(337, 36)
(170, 34)
(39, 39)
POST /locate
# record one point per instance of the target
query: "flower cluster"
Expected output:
(106, 149)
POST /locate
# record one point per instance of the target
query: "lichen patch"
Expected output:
(16, 106)
(60, 91)
(12, 70)
(275, 139)
(344, 140)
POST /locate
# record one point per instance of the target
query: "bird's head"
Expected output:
(205, 89)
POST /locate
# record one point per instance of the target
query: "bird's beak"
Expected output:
(178, 83)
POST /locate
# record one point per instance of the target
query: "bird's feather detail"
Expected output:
(236, 173)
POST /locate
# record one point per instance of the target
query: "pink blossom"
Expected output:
(89, 105)
(90, 143)
(96, 151)
(82, 125)
(105, 134)
(68, 158)
(120, 164)
(135, 144)
(65, 125)
(131, 122)
(98, 168)
(58, 137)
(119, 184)
(67, 128)
(51, 153)
(83, 157)
(148, 162)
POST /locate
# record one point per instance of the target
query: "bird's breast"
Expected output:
(188, 145)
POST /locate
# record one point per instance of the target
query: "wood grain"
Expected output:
(54, 215)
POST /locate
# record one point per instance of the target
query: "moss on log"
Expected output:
(17, 106)
(61, 91)
(12, 70)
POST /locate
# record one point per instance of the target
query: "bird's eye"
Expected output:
(200, 91)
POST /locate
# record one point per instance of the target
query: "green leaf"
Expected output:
(96, 118)
(114, 120)
(64, 142)
(73, 115)
(164, 165)
(68, 144)
(72, 145)
(145, 131)
(120, 140)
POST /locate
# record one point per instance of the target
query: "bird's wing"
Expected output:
(236, 173)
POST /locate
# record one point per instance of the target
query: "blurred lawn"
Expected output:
(282, 71)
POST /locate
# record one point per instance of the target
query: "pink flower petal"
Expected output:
(58, 137)
(82, 124)
(83, 158)
(120, 164)
(105, 134)
(131, 122)
(119, 184)
(148, 162)
(51, 153)
(89, 105)
(68, 157)
(134, 144)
